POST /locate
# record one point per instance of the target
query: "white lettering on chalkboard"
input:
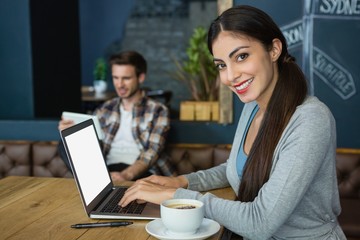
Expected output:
(293, 33)
(333, 74)
(320, 64)
(340, 7)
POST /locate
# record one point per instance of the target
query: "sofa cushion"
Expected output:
(189, 158)
(15, 158)
(348, 174)
(221, 154)
(47, 162)
(349, 218)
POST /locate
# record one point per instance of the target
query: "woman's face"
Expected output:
(246, 67)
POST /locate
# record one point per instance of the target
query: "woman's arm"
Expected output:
(211, 178)
(301, 159)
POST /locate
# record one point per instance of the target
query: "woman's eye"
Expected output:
(220, 66)
(242, 57)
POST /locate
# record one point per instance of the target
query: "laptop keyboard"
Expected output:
(131, 208)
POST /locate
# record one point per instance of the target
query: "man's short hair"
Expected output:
(130, 58)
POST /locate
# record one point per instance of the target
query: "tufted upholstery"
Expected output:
(192, 157)
(348, 173)
(47, 162)
(26, 158)
(15, 159)
(41, 159)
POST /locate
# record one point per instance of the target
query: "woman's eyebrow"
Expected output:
(236, 49)
(231, 53)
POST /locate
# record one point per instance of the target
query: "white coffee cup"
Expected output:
(182, 217)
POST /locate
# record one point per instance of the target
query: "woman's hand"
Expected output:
(145, 190)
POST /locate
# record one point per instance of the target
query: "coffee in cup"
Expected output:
(181, 206)
(182, 217)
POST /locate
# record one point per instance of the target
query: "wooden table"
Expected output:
(97, 97)
(44, 208)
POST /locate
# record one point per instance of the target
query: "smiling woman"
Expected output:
(240, 58)
(265, 168)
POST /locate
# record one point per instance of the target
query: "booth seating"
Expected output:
(348, 173)
(31, 158)
(40, 158)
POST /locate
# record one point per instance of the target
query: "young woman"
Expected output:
(282, 163)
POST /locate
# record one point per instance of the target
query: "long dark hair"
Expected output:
(290, 91)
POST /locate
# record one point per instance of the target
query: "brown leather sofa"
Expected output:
(41, 159)
(189, 158)
(348, 173)
(27, 158)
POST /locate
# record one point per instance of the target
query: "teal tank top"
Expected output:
(242, 157)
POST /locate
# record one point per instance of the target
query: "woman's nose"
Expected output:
(231, 74)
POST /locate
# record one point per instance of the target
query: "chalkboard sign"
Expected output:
(324, 37)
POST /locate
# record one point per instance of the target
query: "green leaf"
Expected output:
(198, 71)
(100, 69)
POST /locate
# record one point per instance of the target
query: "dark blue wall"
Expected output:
(180, 132)
(16, 92)
(101, 23)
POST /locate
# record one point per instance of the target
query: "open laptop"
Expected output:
(93, 179)
(80, 117)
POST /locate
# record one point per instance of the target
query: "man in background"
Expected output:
(135, 126)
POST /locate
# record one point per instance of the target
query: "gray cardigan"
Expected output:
(300, 200)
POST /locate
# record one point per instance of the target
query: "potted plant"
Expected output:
(201, 78)
(100, 84)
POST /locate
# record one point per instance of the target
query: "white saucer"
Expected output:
(207, 228)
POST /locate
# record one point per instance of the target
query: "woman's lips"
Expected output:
(243, 86)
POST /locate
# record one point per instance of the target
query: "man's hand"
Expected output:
(175, 182)
(117, 177)
(134, 170)
(65, 123)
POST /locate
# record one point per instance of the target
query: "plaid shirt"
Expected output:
(150, 126)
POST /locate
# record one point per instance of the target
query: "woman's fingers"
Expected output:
(136, 192)
(146, 191)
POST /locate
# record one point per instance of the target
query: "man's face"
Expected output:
(125, 81)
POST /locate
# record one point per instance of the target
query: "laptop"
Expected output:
(80, 117)
(97, 192)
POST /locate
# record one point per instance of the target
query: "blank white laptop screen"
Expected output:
(88, 162)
